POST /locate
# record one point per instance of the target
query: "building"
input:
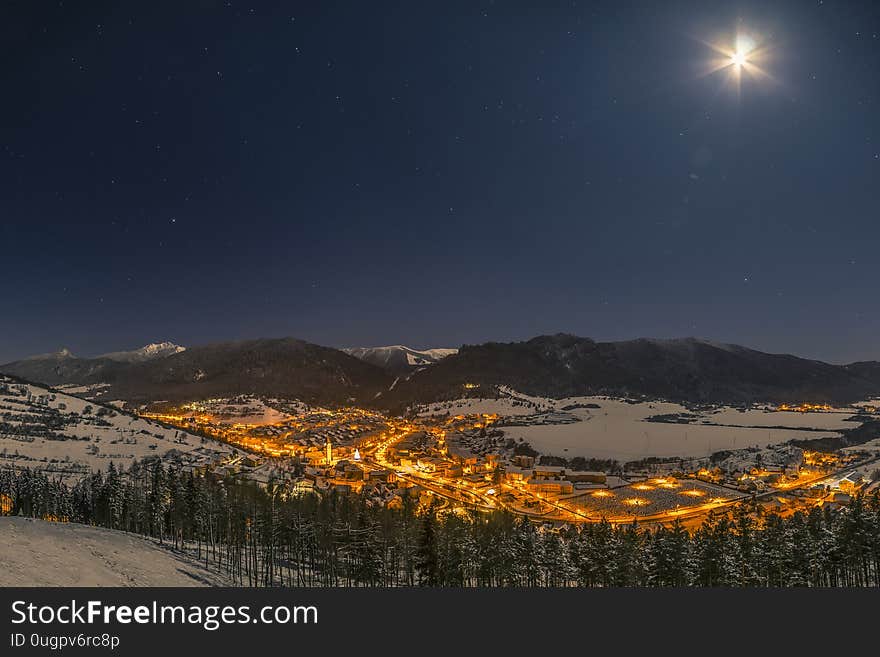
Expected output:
(461, 454)
(551, 485)
(517, 474)
(848, 483)
(431, 464)
(381, 475)
(590, 476)
(548, 472)
(303, 487)
(838, 499)
(348, 471)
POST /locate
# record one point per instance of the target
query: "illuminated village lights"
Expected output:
(376, 449)
(693, 492)
(805, 408)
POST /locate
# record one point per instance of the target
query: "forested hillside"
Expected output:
(262, 537)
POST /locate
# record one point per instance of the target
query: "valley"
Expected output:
(569, 458)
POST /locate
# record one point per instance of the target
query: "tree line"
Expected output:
(265, 536)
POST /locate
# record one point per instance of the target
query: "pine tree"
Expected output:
(157, 501)
(427, 565)
(115, 496)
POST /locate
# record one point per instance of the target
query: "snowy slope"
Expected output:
(41, 553)
(399, 358)
(67, 435)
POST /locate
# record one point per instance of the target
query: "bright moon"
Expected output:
(744, 45)
(741, 55)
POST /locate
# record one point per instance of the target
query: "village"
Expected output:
(464, 462)
(455, 460)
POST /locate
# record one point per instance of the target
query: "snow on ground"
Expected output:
(509, 403)
(870, 446)
(602, 427)
(248, 410)
(383, 356)
(425, 356)
(440, 352)
(41, 553)
(648, 498)
(148, 352)
(838, 418)
(94, 389)
(61, 433)
(617, 430)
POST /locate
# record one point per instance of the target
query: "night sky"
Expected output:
(439, 173)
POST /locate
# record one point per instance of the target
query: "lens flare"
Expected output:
(742, 55)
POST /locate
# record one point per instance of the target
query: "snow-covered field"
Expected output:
(601, 427)
(59, 432)
(508, 404)
(837, 418)
(41, 553)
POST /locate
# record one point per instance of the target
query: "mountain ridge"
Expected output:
(679, 369)
(273, 367)
(691, 370)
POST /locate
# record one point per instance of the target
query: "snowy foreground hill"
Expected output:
(41, 553)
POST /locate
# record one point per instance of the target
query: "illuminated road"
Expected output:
(474, 492)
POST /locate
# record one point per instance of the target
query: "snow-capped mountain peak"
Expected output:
(399, 358)
(55, 355)
(147, 352)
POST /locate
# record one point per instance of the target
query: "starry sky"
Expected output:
(439, 173)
